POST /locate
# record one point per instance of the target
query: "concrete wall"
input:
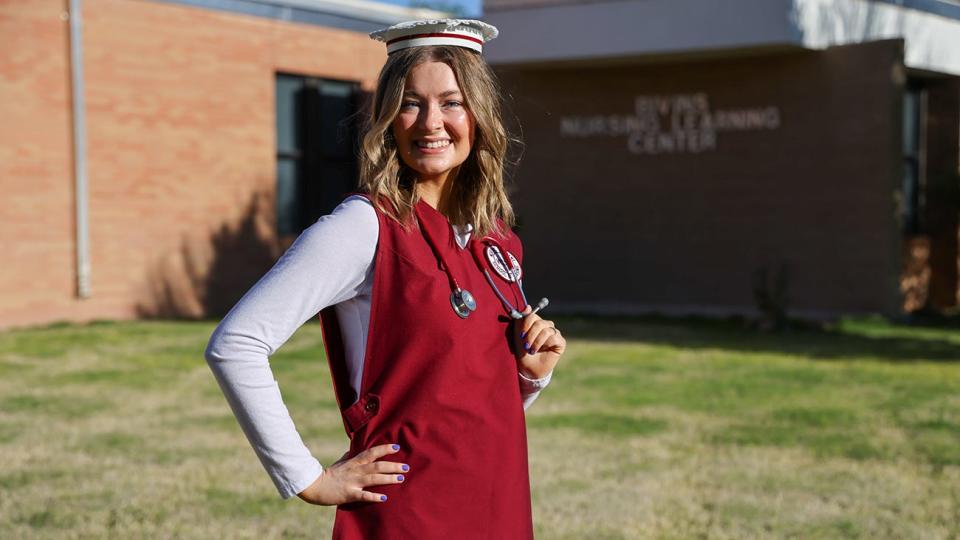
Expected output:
(801, 170)
(180, 113)
(600, 31)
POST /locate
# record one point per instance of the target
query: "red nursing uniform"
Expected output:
(443, 388)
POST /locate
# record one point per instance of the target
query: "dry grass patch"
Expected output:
(651, 429)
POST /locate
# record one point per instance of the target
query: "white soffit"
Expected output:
(619, 29)
(932, 41)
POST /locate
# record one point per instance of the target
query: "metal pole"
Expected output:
(79, 150)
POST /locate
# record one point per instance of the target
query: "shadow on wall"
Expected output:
(207, 276)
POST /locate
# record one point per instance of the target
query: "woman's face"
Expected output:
(434, 129)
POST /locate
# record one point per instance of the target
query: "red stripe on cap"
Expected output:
(444, 35)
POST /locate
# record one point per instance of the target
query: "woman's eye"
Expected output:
(408, 104)
(454, 104)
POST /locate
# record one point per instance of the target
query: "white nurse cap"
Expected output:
(467, 33)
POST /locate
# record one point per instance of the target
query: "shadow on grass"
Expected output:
(884, 341)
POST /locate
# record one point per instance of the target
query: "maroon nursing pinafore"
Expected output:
(444, 388)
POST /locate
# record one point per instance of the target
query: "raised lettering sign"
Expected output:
(680, 123)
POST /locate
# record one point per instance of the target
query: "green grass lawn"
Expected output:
(651, 429)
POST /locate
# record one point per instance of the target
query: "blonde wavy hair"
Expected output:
(477, 194)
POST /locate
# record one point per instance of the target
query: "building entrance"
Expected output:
(930, 197)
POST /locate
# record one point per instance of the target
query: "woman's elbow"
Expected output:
(233, 345)
(218, 347)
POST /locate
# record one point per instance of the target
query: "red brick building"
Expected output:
(196, 118)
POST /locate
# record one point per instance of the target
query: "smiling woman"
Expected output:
(434, 130)
(430, 94)
(431, 378)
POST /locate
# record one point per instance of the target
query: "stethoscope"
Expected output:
(486, 252)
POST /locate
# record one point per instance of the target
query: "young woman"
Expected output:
(433, 348)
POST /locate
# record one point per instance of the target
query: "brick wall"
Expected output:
(608, 229)
(36, 223)
(181, 161)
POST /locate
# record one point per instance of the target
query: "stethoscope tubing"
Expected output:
(461, 300)
(514, 312)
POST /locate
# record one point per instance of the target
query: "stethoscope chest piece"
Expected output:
(463, 303)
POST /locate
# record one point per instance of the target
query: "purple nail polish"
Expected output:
(405, 468)
(383, 497)
(399, 478)
(523, 335)
(526, 345)
(396, 447)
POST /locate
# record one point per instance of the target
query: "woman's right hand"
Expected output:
(344, 481)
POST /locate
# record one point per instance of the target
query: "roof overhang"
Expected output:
(358, 15)
(605, 31)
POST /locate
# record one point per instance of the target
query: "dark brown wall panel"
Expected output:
(678, 231)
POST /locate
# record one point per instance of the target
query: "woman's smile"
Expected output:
(432, 146)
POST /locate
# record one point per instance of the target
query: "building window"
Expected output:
(316, 148)
(914, 109)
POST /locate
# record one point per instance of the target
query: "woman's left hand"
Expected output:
(538, 345)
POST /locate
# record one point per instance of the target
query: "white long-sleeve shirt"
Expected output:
(330, 264)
